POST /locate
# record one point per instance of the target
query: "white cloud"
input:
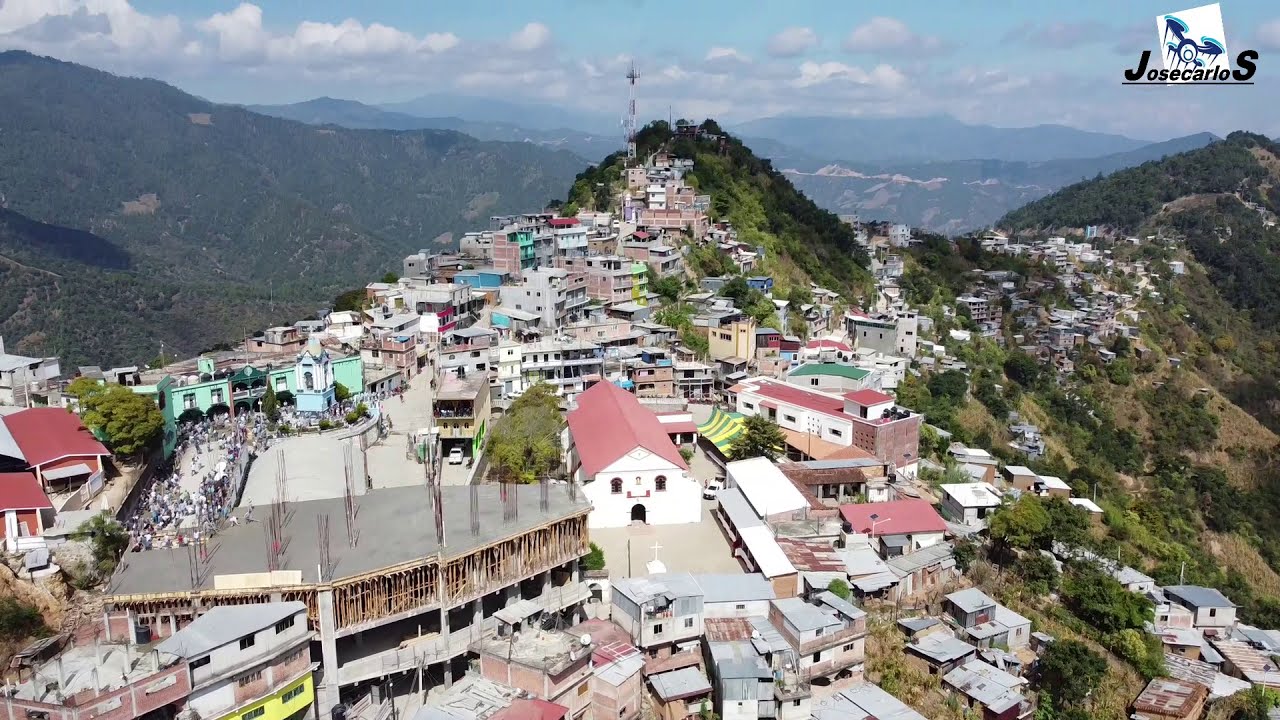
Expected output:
(80, 29)
(1267, 36)
(533, 36)
(792, 41)
(886, 34)
(726, 53)
(882, 76)
(239, 35)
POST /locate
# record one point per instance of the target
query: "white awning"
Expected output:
(66, 472)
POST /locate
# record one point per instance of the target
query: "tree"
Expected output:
(950, 386)
(760, 438)
(839, 588)
(1098, 599)
(1069, 670)
(569, 209)
(390, 278)
(1019, 524)
(340, 392)
(1039, 572)
(1068, 524)
(271, 405)
(964, 552)
(525, 443)
(1022, 369)
(594, 559)
(19, 621)
(108, 540)
(129, 421)
(668, 287)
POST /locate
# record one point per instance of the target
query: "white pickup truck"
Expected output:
(712, 487)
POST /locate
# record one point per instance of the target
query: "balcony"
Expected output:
(428, 649)
(444, 410)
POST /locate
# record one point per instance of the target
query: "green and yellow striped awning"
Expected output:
(722, 428)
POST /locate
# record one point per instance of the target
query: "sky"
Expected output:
(997, 62)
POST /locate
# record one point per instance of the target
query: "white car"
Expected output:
(455, 456)
(713, 487)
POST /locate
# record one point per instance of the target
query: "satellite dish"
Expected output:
(585, 640)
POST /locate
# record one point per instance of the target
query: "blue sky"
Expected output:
(999, 62)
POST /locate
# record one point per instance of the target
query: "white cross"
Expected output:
(655, 548)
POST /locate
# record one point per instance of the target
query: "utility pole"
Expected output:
(632, 75)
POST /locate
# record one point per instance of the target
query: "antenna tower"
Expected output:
(632, 75)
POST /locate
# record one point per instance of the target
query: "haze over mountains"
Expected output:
(931, 172)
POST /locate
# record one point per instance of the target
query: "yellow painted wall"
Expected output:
(276, 708)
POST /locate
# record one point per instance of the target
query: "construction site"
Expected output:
(400, 584)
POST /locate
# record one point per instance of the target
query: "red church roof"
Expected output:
(898, 517)
(610, 422)
(46, 434)
(20, 491)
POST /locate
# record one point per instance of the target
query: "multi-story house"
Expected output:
(552, 666)
(507, 364)
(22, 378)
(984, 310)
(247, 662)
(694, 380)
(867, 419)
(568, 365)
(570, 237)
(281, 339)
(653, 376)
(736, 340)
(461, 410)
(887, 334)
(556, 295)
(441, 306)
(658, 614)
(827, 634)
(611, 279)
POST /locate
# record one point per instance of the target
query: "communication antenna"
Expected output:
(632, 75)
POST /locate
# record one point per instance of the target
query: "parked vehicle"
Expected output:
(455, 456)
(712, 487)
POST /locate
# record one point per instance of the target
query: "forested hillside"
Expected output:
(803, 241)
(1177, 435)
(217, 206)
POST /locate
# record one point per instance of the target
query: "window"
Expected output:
(688, 623)
(795, 703)
(789, 418)
(284, 624)
(254, 713)
(660, 483)
(246, 642)
(748, 406)
(819, 631)
(200, 662)
(739, 607)
(849, 647)
(250, 678)
(217, 395)
(814, 382)
(657, 629)
(292, 693)
(835, 432)
(583, 688)
(308, 380)
(1213, 612)
(188, 401)
(817, 657)
(615, 486)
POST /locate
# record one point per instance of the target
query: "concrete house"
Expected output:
(1209, 608)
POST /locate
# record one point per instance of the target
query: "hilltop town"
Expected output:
(614, 459)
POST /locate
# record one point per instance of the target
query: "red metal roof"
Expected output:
(46, 434)
(531, 709)
(562, 222)
(610, 422)
(828, 345)
(793, 395)
(680, 426)
(867, 398)
(20, 491)
(898, 517)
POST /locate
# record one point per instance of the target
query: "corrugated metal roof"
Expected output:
(226, 624)
(764, 486)
(804, 616)
(1194, 596)
(679, 684)
(738, 660)
(863, 702)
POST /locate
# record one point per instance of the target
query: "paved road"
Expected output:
(390, 464)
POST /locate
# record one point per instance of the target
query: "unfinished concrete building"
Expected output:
(412, 578)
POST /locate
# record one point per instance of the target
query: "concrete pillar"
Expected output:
(477, 615)
(546, 584)
(512, 593)
(327, 694)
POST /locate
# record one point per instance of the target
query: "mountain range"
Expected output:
(191, 223)
(934, 172)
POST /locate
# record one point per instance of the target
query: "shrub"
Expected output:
(325, 425)
(19, 621)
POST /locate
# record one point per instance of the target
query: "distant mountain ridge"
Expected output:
(955, 196)
(242, 218)
(356, 115)
(941, 138)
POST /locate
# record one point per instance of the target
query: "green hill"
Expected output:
(803, 242)
(218, 207)
(1179, 442)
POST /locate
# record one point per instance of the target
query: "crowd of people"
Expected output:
(187, 503)
(190, 500)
